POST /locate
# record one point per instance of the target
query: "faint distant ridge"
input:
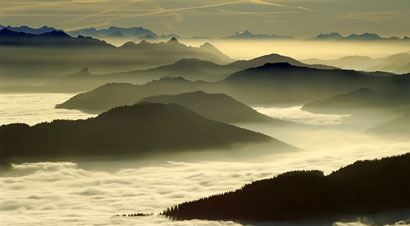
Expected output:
(357, 37)
(364, 187)
(249, 35)
(29, 30)
(53, 38)
(116, 32)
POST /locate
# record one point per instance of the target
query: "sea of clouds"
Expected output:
(94, 193)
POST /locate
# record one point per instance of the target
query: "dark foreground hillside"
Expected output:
(365, 187)
(133, 130)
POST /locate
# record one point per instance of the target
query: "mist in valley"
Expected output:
(123, 126)
(296, 48)
(101, 191)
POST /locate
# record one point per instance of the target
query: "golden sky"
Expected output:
(216, 17)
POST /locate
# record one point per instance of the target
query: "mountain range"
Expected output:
(216, 106)
(56, 53)
(269, 84)
(357, 37)
(145, 128)
(249, 35)
(29, 30)
(116, 32)
(397, 63)
(53, 38)
(192, 69)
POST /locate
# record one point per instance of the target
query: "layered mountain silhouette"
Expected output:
(219, 107)
(363, 98)
(365, 187)
(270, 84)
(249, 35)
(397, 63)
(53, 38)
(29, 30)
(119, 94)
(192, 69)
(399, 127)
(347, 62)
(145, 128)
(356, 37)
(55, 54)
(116, 32)
(284, 83)
(329, 36)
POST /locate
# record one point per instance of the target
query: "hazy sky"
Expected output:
(216, 17)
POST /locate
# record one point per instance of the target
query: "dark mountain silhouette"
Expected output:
(365, 187)
(357, 37)
(30, 30)
(173, 46)
(250, 35)
(115, 32)
(219, 107)
(133, 130)
(329, 36)
(269, 84)
(55, 54)
(364, 37)
(196, 69)
(270, 59)
(192, 69)
(119, 94)
(49, 39)
(284, 83)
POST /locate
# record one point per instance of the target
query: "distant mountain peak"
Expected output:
(130, 44)
(85, 70)
(29, 30)
(364, 36)
(173, 40)
(249, 35)
(329, 36)
(83, 73)
(207, 45)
